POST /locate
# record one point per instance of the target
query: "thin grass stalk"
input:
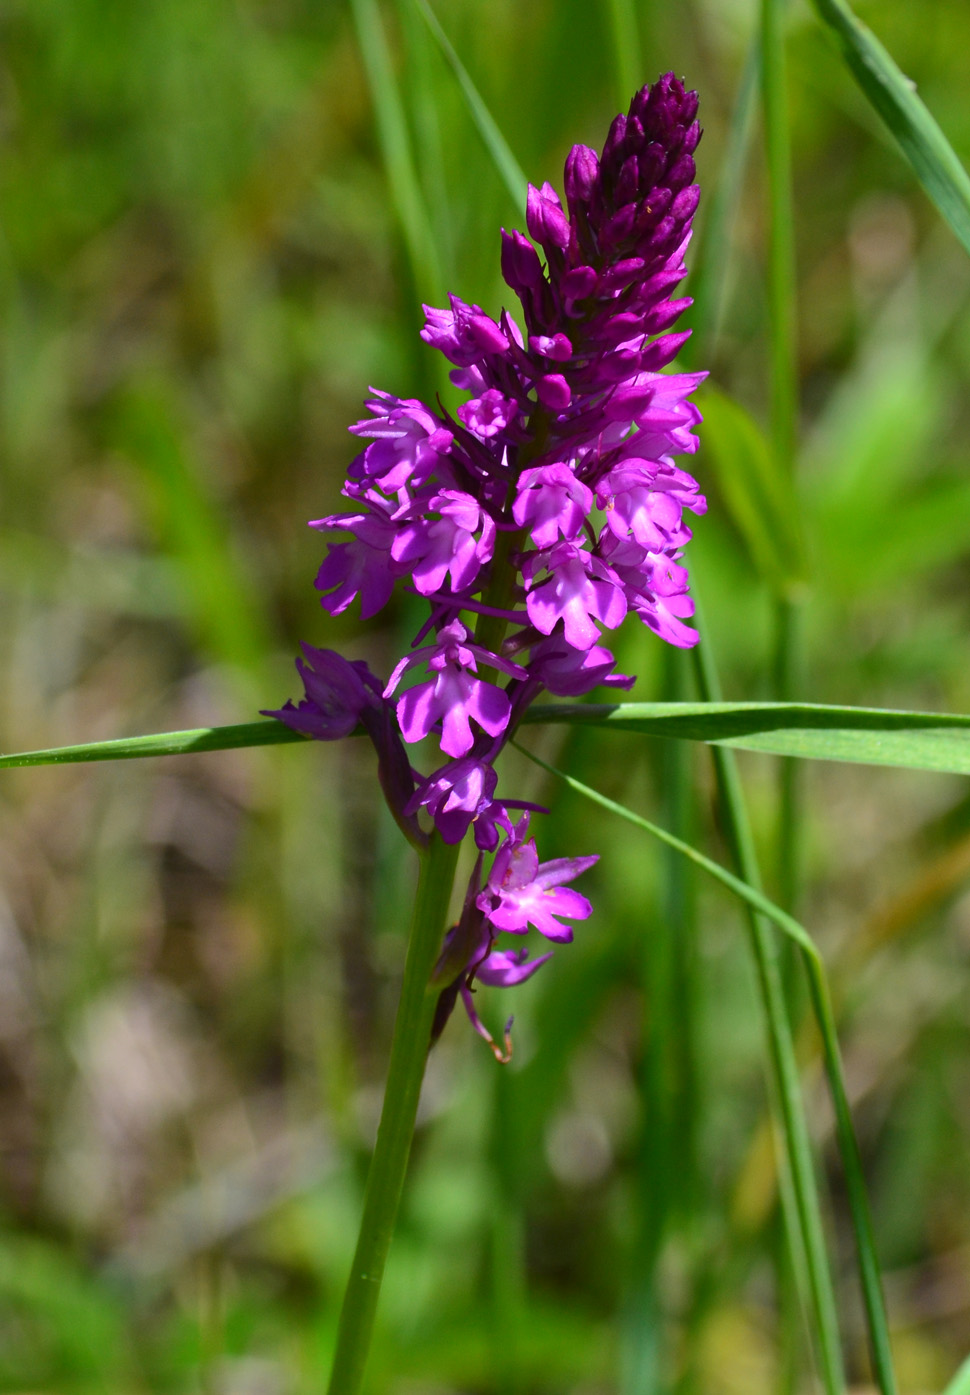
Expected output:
(666, 1157)
(782, 1049)
(711, 252)
(385, 1179)
(768, 912)
(395, 144)
(782, 336)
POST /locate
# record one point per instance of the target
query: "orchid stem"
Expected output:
(385, 1180)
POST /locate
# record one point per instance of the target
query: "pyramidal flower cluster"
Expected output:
(548, 509)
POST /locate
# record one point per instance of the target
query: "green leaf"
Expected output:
(813, 731)
(164, 743)
(758, 492)
(867, 735)
(495, 143)
(894, 97)
(960, 1384)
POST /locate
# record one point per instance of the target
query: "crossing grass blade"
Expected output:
(756, 901)
(895, 98)
(812, 731)
(495, 143)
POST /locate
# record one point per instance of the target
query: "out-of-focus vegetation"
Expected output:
(201, 274)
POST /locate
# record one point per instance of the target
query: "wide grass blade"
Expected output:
(485, 123)
(822, 1006)
(627, 51)
(813, 731)
(895, 98)
(760, 496)
(164, 743)
(960, 1384)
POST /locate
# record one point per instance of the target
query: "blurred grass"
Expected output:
(200, 275)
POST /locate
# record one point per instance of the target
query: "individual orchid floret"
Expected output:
(521, 891)
(570, 585)
(458, 797)
(448, 535)
(337, 693)
(552, 503)
(453, 695)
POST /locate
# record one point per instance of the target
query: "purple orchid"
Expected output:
(544, 512)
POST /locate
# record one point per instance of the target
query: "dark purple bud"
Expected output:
(555, 346)
(628, 182)
(521, 267)
(614, 140)
(651, 163)
(578, 283)
(620, 275)
(691, 136)
(553, 392)
(581, 174)
(544, 217)
(656, 321)
(681, 172)
(685, 203)
(486, 334)
(662, 351)
(618, 328)
(619, 227)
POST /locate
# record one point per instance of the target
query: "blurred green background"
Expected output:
(201, 272)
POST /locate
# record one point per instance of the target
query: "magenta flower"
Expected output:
(547, 510)
(521, 891)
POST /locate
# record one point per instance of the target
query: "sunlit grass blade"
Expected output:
(486, 125)
(396, 149)
(821, 1002)
(627, 51)
(895, 98)
(165, 743)
(759, 495)
(960, 1384)
(812, 731)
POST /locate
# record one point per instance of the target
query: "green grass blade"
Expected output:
(821, 1001)
(781, 237)
(895, 98)
(960, 1384)
(396, 149)
(812, 731)
(759, 494)
(485, 123)
(164, 743)
(627, 51)
(713, 245)
(805, 1226)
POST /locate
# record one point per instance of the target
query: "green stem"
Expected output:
(385, 1180)
(781, 1045)
(782, 334)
